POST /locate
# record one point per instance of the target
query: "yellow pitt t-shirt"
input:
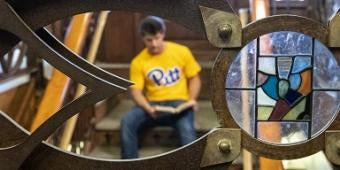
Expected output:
(164, 76)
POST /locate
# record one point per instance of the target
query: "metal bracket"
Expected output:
(334, 33)
(332, 146)
(223, 146)
(223, 29)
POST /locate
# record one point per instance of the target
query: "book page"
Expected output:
(183, 107)
(178, 109)
(166, 109)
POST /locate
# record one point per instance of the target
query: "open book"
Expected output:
(174, 110)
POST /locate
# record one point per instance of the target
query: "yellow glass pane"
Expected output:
(264, 112)
(296, 111)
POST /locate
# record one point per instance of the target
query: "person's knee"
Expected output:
(186, 121)
(132, 118)
(125, 122)
(187, 128)
(187, 134)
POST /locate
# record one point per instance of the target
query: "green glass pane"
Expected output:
(296, 111)
(263, 112)
(283, 88)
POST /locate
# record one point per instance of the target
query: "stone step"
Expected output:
(113, 152)
(205, 118)
(107, 130)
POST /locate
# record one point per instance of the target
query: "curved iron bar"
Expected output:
(14, 24)
(54, 43)
(284, 22)
(46, 156)
(184, 12)
(20, 152)
(99, 88)
(11, 133)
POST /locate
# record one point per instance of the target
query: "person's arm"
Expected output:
(137, 76)
(141, 101)
(194, 90)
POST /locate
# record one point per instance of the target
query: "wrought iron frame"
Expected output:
(24, 20)
(225, 58)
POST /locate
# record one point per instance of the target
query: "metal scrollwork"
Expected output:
(24, 20)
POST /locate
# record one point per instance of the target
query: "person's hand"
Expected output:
(151, 111)
(194, 104)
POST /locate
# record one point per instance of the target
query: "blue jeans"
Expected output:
(138, 119)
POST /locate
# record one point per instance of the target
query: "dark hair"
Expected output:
(152, 25)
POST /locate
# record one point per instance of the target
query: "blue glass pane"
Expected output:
(301, 63)
(242, 71)
(292, 96)
(326, 73)
(241, 105)
(270, 87)
(294, 81)
(288, 43)
(326, 106)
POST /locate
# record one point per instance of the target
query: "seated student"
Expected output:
(166, 74)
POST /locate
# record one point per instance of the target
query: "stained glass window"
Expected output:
(284, 83)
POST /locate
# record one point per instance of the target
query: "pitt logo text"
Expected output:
(165, 78)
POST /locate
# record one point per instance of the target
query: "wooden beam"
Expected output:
(54, 95)
(259, 10)
(70, 124)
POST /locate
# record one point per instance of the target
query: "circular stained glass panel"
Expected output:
(283, 88)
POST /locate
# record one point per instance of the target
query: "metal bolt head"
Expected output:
(224, 145)
(224, 31)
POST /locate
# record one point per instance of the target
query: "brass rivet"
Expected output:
(224, 145)
(224, 31)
